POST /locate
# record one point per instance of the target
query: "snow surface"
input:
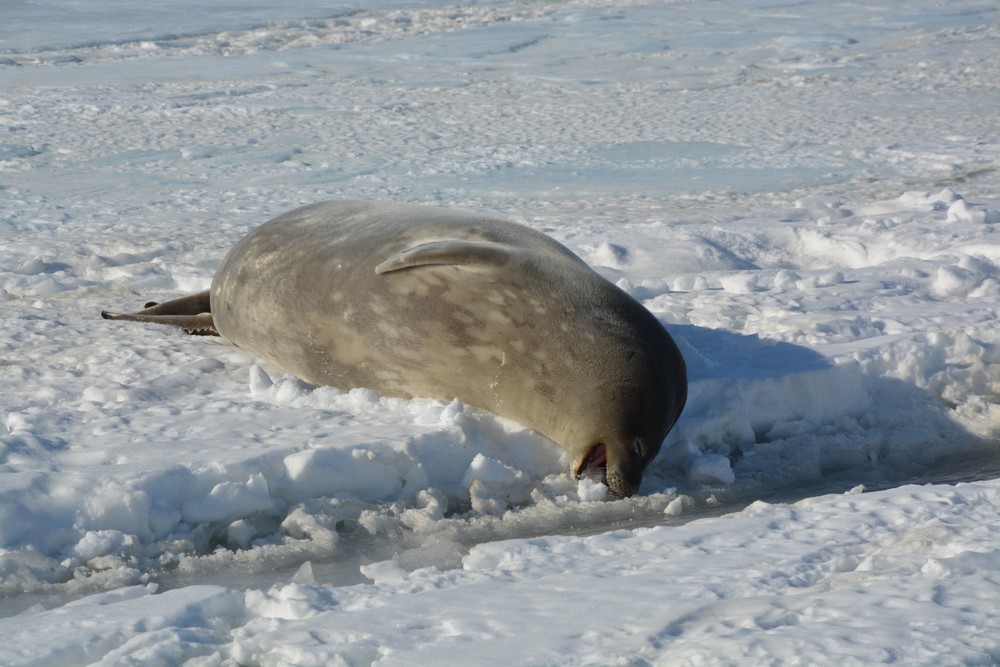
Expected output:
(805, 193)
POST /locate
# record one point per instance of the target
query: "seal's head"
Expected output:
(621, 432)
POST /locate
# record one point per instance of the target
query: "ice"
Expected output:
(805, 194)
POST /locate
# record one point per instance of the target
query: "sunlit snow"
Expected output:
(806, 194)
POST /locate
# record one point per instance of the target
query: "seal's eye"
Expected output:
(638, 448)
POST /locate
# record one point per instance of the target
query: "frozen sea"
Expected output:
(805, 193)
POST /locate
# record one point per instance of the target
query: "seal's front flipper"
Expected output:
(191, 313)
(456, 253)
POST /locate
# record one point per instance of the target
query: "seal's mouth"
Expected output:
(595, 464)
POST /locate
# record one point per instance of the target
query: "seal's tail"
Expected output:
(191, 313)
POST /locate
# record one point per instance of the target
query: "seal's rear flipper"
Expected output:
(195, 304)
(191, 313)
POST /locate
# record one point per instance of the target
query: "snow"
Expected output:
(905, 576)
(805, 193)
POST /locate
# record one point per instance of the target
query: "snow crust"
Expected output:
(805, 194)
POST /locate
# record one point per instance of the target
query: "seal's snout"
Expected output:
(619, 477)
(622, 485)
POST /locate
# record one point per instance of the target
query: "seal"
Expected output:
(417, 301)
